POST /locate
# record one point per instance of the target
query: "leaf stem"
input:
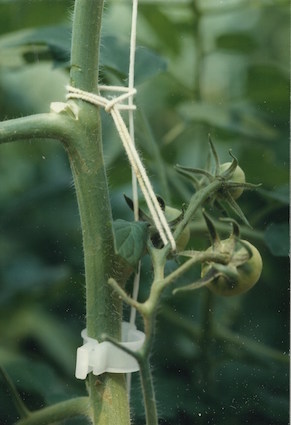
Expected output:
(125, 297)
(41, 126)
(199, 258)
(58, 412)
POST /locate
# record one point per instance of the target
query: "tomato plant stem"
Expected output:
(103, 306)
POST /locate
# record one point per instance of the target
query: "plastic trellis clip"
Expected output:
(105, 357)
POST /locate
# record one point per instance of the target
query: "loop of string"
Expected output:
(112, 106)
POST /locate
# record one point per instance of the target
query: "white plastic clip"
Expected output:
(105, 357)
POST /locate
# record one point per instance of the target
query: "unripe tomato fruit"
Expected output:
(248, 273)
(238, 177)
(172, 214)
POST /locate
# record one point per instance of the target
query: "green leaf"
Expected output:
(162, 26)
(277, 239)
(148, 64)
(29, 274)
(130, 240)
(269, 85)
(38, 378)
(280, 194)
(56, 39)
(238, 119)
(238, 41)
(115, 56)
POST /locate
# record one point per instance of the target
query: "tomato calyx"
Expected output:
(242, 270)
(231, 176)
(230, 266)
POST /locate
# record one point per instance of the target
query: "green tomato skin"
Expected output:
(171, 214)
(248, 274)
(238, 177)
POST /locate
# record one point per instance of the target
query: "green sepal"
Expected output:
(141, 214)
(235, 226)
(227, 174)
(233, 206)
(226, 271)
(214, 154)
(247, 248)
(190, 177)
(249, 186)
(214, 238)
(186, 171)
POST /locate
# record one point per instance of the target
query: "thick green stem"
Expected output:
(103, 306)
(85, 44)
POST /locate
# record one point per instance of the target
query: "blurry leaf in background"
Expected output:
(162, 26)
(272, 98)
(280, 194)
(277, 239)
(115, 56)
(36, 44)
(29, 274)
(239, 119)
(238, 41)
(20, 89)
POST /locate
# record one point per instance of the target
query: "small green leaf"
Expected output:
(277, 239)
(130, 240)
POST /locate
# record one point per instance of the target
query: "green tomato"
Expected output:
(238, 177)
(172, 214)
(247, 272)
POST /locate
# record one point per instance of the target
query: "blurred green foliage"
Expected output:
(202, 67)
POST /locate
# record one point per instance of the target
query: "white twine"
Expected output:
(112, 106)
(131, 74)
